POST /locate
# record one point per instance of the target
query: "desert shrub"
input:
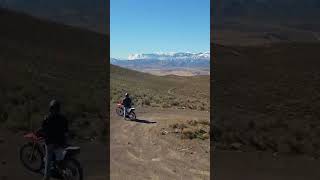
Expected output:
(206, 135)
(146, 102)
(202, 134)
(204, 122)
(192, 122)
(191, 130)
(188, 133)
(175, 103)
(193, 133)
(191, 106)
(157, 100)
(178, 126)
(154, 105)
(166, 105)
(258, 143)
(199, 122)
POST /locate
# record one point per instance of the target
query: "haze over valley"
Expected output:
(183, 64)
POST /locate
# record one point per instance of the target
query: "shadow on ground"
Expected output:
(144, 121)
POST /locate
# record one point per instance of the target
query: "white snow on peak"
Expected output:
(171, 56)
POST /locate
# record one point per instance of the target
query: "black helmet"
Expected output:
(54, 106)
(127, 95)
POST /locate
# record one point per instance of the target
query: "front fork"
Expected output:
(32, 152)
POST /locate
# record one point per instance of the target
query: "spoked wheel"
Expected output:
(72, 170)
(119, 111)
(32, 157)
(132, 116)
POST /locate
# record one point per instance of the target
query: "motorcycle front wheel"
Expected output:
(32, 157)
(72, 170)
(119, 111)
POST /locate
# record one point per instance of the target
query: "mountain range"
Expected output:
(171, 56)
(164, 61)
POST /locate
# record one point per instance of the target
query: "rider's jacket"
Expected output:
(126, 102)
(55, 127)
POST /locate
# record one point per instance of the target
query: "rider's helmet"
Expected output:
(54, 106)
(126, 95)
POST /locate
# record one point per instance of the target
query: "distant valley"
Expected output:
(181, 64)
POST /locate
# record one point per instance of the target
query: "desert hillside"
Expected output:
(160, 91)
(250, 22)
(170, 139)
(267, 98)
(41, 60)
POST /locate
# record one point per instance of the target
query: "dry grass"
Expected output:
(39, 61)
(192, 129)
(160, 91)
(267, 98)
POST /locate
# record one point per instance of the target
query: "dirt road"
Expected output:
(140, 151)
(92, 158)
(145, 149)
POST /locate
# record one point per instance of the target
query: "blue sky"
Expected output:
(147, 26)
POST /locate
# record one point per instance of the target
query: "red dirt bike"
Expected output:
(130, 112)
(32, 156)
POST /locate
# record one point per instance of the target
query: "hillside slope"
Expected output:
(42, 60)
(252, 22)
(160, 91)
(91, 15)
(262, 92)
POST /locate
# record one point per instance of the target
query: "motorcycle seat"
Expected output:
(72, 148)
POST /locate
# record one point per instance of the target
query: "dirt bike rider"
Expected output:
(126, 102)
(54, 129)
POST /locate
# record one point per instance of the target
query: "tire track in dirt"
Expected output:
(139, 151)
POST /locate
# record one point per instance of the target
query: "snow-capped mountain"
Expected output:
(171, 56)
(165, 60)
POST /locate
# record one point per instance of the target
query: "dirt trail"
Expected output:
(92, 158)
(139, 150)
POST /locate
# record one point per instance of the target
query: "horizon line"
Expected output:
(161, 53)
